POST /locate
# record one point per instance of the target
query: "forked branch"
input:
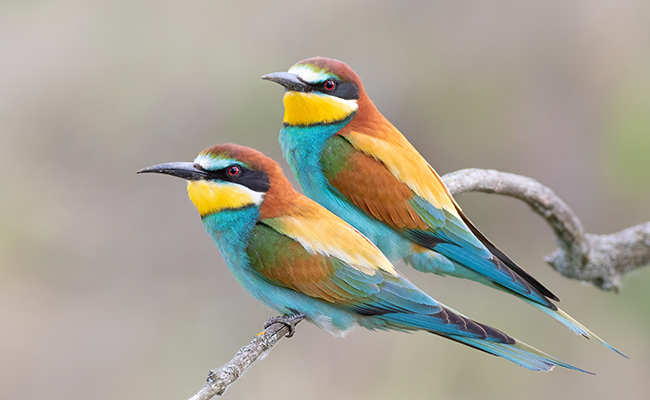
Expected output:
(598, 259)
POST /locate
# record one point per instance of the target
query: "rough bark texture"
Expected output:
(220, 379)
(598, 259)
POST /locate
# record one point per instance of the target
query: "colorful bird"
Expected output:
(349, 158)
(297, 258)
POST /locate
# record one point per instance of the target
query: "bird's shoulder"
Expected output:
(322, 234)
(288, 253)
(387, 178)
(385, 143)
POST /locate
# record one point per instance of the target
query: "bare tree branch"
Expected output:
(219, 380)
(599, 259)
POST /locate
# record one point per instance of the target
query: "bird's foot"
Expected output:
(290, 321)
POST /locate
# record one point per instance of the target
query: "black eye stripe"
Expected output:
(343, 90)
(223, 174)
(254, 180)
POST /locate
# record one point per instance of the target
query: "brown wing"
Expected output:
(369, 185)
(286, 262)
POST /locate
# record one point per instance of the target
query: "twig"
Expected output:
(220, 379)
(599, 259)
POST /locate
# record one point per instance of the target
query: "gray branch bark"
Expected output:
(220, 379)
(598, 259)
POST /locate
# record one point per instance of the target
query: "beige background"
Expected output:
(110, 289)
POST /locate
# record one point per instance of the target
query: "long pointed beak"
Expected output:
(288, 80)
(185, 170)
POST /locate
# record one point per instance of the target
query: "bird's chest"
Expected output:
(303, 148)
(230, 230)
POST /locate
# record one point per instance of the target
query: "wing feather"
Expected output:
(285, 262)
(321, 232)
(398, 187)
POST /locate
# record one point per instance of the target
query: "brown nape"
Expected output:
(281, 195)
(368, 120)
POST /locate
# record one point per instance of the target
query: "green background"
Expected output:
(110, 289)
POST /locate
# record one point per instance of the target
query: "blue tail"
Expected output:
(520, 353)
(453, 325)
(425, 260)
(573, 325)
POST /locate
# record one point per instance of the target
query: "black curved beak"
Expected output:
(288, 80)
(185, 170)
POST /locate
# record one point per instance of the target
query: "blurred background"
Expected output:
(109, 287)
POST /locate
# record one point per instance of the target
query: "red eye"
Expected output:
(234, 170)
(329, 85)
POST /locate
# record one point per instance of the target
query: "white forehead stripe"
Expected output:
(307, 73)
(210, 162)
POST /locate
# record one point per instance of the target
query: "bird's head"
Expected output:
(319, 91)
(228, 177)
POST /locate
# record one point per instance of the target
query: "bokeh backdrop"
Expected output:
(110, 289)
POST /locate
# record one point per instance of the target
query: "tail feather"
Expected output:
(557, 314)
(573, 325)
(463, 330)
(520, 353)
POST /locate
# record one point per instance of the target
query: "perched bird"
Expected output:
(297, 258)
(349, 158)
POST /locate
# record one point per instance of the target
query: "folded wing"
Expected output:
(390, 181)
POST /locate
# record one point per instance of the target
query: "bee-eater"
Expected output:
(349, 158)
(296, 257)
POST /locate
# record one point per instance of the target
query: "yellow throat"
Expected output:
(213, 197)
(301, 109)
